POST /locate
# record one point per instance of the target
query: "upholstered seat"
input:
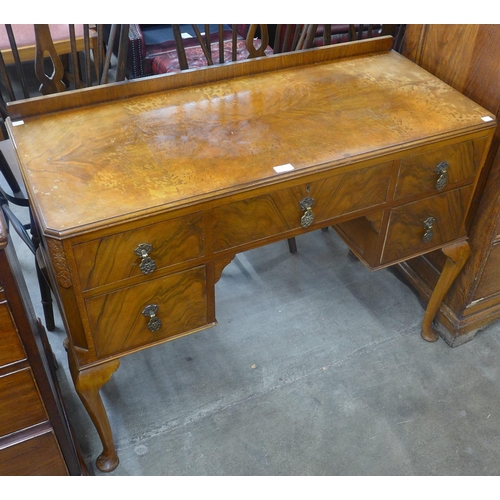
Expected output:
(168, 62)
(148, 41)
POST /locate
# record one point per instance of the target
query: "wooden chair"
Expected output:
(220, 45)
(290, 37)
(89, 64)
(148, 42)
(18, 43)
(24, 36)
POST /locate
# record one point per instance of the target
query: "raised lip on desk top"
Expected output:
(25, 108)
(84, 226)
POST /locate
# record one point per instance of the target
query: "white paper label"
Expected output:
(487, 118)
(284, 168)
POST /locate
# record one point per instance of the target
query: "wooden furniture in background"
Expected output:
(290, 37)
(466, 57)
(17, 76)
(24, 35)
(35, 438)
(152, 47)
(89, 59)
(144, 191)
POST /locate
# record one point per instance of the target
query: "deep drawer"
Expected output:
(114, 258)
(280, 211)
(20, 403)
(118, 323)
(37, 456)
(420, 174)
(11, 349)
(407, 235)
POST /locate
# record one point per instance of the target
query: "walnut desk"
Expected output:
(145, 190)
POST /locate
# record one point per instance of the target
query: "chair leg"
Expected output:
(32, 243)
(292, 245)
(43, 282)
(9, 176)
(46, 297)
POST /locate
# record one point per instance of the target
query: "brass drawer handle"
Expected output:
(442, 172)
(154, 323)
(306, 206)
(147, 265)
(429, 231)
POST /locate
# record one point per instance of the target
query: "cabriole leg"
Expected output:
(88, 383)
(457, 255)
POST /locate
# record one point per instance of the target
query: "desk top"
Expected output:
(119, 159)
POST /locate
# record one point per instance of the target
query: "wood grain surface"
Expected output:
(12, 348)
(20, 402)
(169, 149)
(182, 306)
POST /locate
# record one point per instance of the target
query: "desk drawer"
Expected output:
(20, 402)
(11, 349)
(277, 212)
(114, 258)
(459, 163)
(118, 323)
(407, 235)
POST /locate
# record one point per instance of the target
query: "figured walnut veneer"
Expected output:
(183, 165)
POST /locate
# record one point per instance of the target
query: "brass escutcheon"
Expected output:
(306, 206)
(154, 323)
(442, 171)
(147, 265)
(429, 231)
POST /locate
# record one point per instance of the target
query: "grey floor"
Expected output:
(316, 368)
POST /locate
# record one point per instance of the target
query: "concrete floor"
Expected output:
(316, 368)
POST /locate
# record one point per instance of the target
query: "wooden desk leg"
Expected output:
(88, 382)
(457, 255)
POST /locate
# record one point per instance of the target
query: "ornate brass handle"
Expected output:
(429, 231)
(306, 206)
(154, 323)
(442, 171)
(147, 265)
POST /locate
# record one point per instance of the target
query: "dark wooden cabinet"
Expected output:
(35, 438)
(466, 57)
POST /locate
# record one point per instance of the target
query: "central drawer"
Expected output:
(274, 213)
(128, 318)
